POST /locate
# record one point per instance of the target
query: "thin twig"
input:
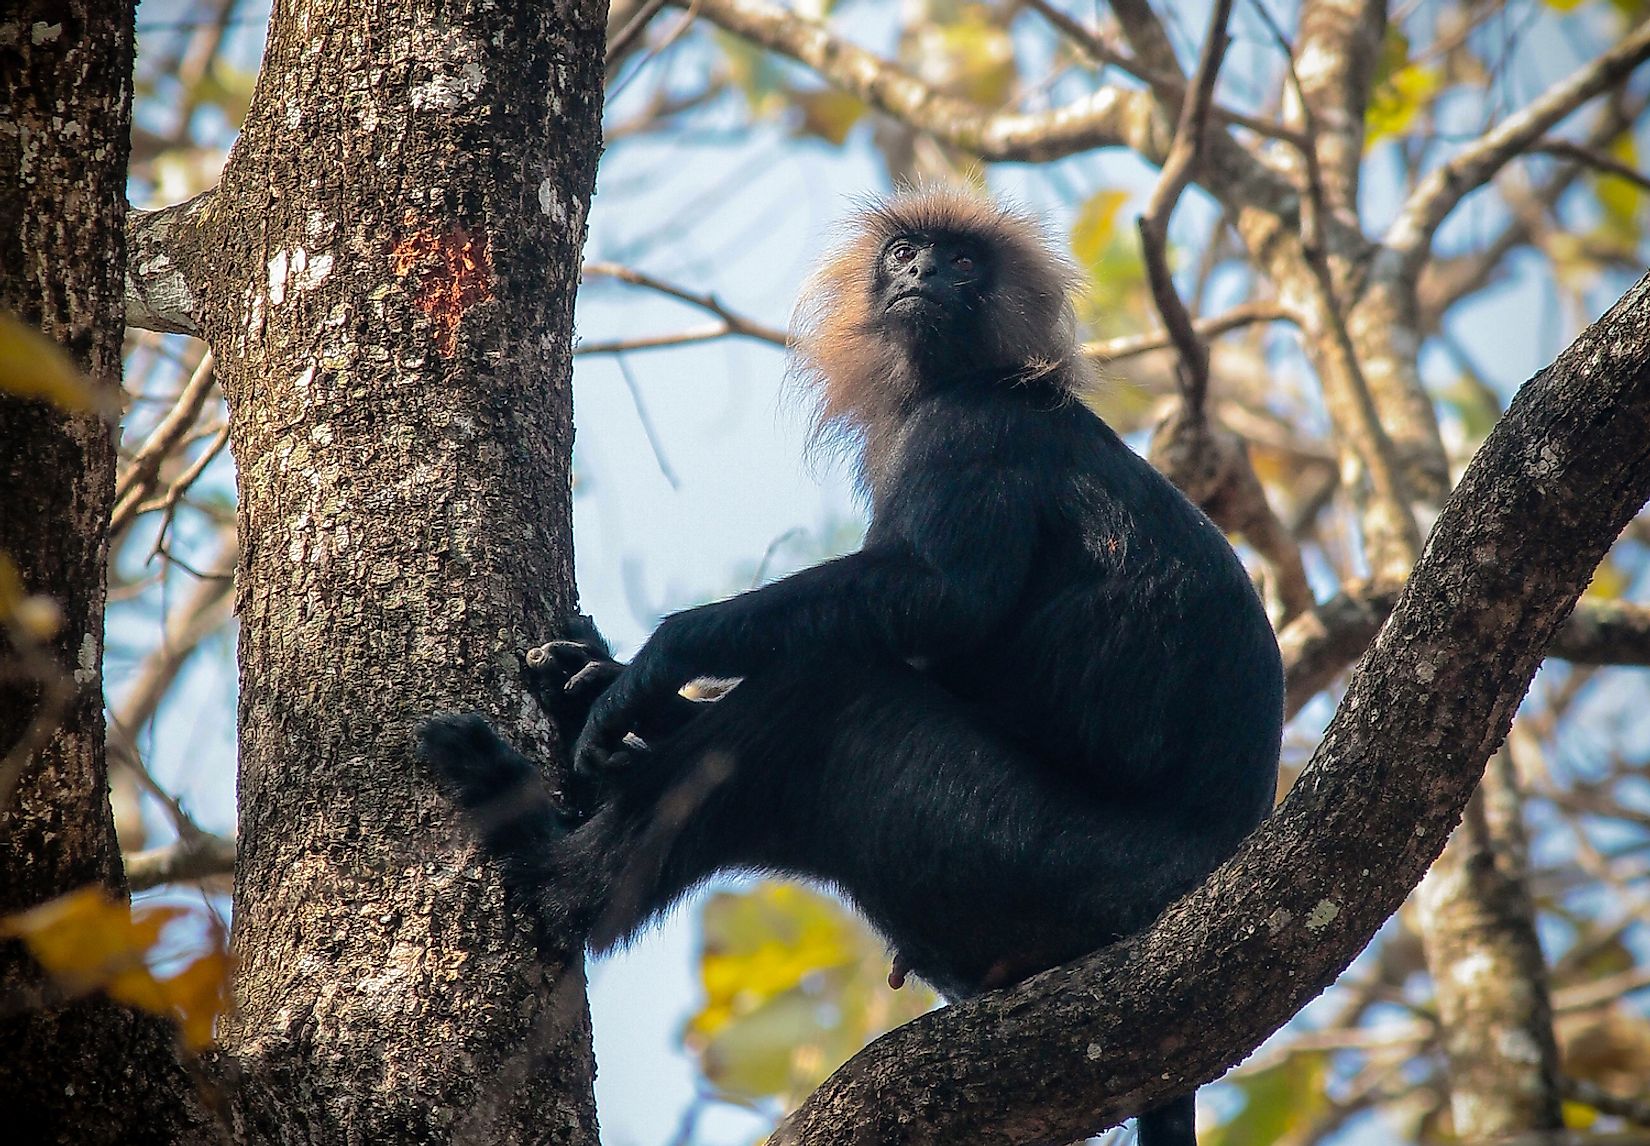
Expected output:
(168, 502)
(1134, 345)
(736, 323)
(1193, 374)
(1598, 160)
(647, 424)
(1410, 234)
(1102, 51)
(143, 472)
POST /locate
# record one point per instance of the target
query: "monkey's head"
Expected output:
(932, 286)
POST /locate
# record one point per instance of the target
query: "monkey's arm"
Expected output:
(948, 559)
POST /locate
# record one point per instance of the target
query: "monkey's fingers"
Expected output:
(592, 679)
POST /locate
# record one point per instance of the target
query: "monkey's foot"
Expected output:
(499, 789)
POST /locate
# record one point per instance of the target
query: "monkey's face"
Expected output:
(931, 292)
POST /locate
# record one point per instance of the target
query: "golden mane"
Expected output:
(862, 380)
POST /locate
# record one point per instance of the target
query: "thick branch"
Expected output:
(1334, 61)
(1411, 233)
(189, 858)
(163, 285)
(1083, 1046)
(1110, 117)
(1319, 646)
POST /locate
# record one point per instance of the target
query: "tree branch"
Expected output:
(1083, 1046)
(1410, 235)
(732, 323)
(1342, 41)
(186, 858)
(163, 249)
(1133, 345)
(1318, 646)
(143, 473)
(1109, 117)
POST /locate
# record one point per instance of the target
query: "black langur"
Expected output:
(1040, 702)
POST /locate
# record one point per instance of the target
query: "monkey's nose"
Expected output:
(924, 265)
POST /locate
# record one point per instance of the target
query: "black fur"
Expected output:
(1041, 702)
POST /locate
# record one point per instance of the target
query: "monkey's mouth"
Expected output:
(913, 300)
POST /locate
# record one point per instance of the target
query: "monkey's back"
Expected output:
(1138, 661)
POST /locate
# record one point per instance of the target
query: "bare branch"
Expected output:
(731, 323)
(1169, 87)
(1597, 160)
(143, 473)
(1320, 645)
(1134, 345)
(204, 612)
(1110, 117)
(1390, 533)
(1193, 374)
(1342, 41)
(1410, 235)
(186, 858)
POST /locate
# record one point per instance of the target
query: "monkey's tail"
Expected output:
(1172, 1124)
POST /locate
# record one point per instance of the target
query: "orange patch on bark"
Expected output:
(454, 272)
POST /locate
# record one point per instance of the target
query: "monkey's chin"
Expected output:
(913, 305)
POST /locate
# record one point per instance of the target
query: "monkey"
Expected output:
(1040, 702)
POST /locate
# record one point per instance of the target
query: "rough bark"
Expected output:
(1478, 929)
(1083, 1046)
(65, 118)
(385, 274)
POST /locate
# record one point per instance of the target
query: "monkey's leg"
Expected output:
(963, 850)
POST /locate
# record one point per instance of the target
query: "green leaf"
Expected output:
(1277, 1101)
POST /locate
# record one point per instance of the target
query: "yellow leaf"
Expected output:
(1095, 227)
(88, 941)
(1401, 90)
(971, 56)
(1578, 1116)
(33, 366)
(198, 994)
(794, 985)
(1608, 583)
(1622, 200)
(828, 113)
(1115, 298)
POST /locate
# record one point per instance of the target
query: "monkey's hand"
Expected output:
(566, 677)
(647, 685)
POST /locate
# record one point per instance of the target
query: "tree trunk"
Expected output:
(65, 122)
(1485, 959)
(386, 274)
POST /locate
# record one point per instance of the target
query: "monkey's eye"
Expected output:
(902, 252)
(963, 263)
